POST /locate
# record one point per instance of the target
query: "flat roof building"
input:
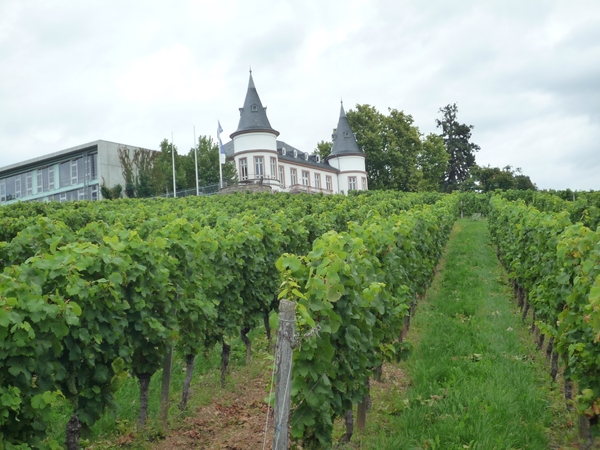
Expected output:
(75, 173)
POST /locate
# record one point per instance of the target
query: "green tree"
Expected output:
(391, 144)
(163, 175)
(523, 182)
(486, 179)
(432, 162)
(186, 165)
(461, 152)
(208, 163)
(324, 149)
(147, 171)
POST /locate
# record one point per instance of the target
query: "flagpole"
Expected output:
(173, 159)
(220, 172)
(221, 154)
(196, 161)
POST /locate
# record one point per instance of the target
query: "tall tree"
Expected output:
(208, 163)
(391, 144)
(461, 152)
(432, 162)
(163, 175)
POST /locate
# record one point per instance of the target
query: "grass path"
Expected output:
(474, 380)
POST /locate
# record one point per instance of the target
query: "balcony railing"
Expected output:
(295, 188)
(259, 179)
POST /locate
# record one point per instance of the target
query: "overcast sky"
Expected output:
(524, 73)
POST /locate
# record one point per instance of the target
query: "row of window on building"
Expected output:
(50, 178)
(84, 193)
(278, 173)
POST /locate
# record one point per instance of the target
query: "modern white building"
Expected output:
(72, 174)
(263, 159)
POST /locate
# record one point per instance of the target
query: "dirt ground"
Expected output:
(236, 421)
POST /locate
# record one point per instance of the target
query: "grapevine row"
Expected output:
(555, 265)
(353, 291)
(94, 290)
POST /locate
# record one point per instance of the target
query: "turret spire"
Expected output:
(253, 116)
(344, 142)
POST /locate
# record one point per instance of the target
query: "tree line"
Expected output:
(400, 157)
(149, 173)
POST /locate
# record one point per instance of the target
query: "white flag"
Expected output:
(222, 155)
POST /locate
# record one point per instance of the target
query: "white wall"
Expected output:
(109, 166)
(250, 155)
(349, 166)
(311, 170)
(254, 141)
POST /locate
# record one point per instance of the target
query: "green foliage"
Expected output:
(488, 179)
(353, 290)
(323, 149)
(89, 289)
(461, 152)
(208, 164)
(432, 162)
(391, 144)
(111, 193)
(472, 380)
(138, 170)
(556, 262)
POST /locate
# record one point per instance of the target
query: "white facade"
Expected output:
(296, 171)
(260, 158)
(352, 175)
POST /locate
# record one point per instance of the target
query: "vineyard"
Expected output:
(95, 292)
(554, 263)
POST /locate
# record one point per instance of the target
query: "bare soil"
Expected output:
(234, 420)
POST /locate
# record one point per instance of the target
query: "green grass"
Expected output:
(475, 381)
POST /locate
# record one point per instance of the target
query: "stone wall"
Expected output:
(253, 188)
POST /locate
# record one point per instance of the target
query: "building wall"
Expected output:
(352, 173)
(252, 172)
(72, 174)
(111, 172)
(69, 176)
(288, 184)
(254, 141)
(345, 173)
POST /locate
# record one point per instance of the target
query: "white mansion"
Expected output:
(260, 158)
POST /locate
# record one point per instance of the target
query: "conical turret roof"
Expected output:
(253, 116)
(344, 142)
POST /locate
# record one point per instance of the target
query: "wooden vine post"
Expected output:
(165, 392)
(283, 378)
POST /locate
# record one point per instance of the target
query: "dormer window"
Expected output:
(254, 107)
(346, 134)
(318, 158)
(306, 156)
(295, 153)
(283, 150)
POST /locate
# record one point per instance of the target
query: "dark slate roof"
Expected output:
(344, 142)
(253, 116)
(301, 157)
